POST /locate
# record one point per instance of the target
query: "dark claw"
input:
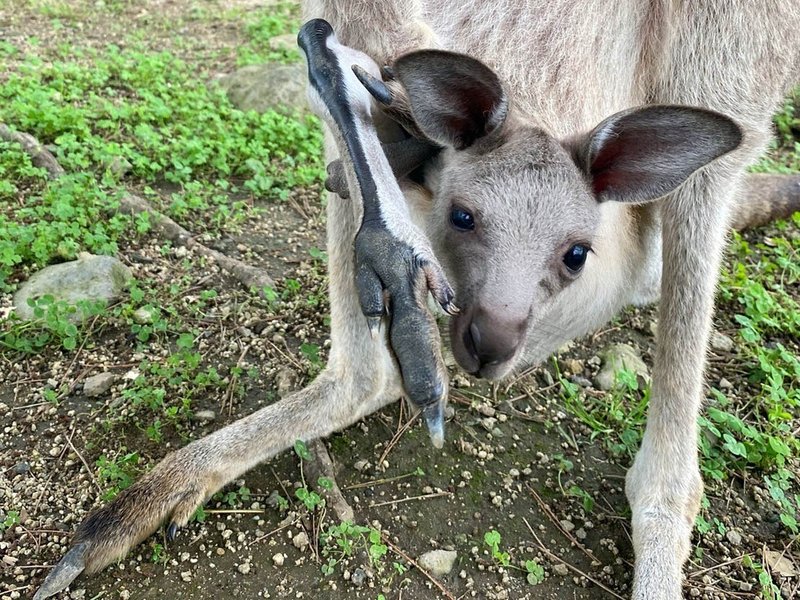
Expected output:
(172, 532)
(65, 572)
(434, 419)
(387, 73)
(374, 86)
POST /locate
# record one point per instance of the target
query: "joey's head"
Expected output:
(515, 210)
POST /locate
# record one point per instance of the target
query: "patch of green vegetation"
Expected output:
(617, 416)
(53, 322)
(260, 29)
(118, 473)
(533, 570)
(113, 116)
(756, 438)
(784, 155)
(10, 519)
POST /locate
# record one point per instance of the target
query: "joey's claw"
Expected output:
(440, 288)
(64, 573)
(375, 86)
(172, 531)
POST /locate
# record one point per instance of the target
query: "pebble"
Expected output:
(734, 537)
(358, 577)
(300, 541)
(244, 568)
(561, 569)
(438, 562)
(204, 415)
(278, 559)
(99, 384)
(721, 342)
(567, 525)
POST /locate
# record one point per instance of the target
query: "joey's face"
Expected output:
(513, 226)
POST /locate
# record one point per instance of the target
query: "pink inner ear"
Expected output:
(602, 170)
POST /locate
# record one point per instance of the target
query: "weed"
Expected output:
(534, 572)
(117, 474)
(11, 518)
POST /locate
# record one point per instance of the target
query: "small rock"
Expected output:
(267, 87)
(572, 366)
(724, 384)
(278, 559)
(361, 465)
(580, 533)
(734, 537)
(143, 315)
(486, 410)
(244, 568)
(204, 415)
(358, 577)
(721, 342)
(567, 525)
(438, 562)
(119, 166)
(21, 468)
(90, 278)
(300, 541)
(616, 358)
(561, 569)
(99, 384)
(287, 41)
(285, 381)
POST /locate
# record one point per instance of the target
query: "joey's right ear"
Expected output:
(454, 99)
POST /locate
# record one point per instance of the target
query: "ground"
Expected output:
(529, 487)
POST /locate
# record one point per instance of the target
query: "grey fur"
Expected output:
(566, 67)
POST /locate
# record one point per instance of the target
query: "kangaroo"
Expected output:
(586, 156)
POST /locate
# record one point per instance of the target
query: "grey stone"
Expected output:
(358, 577)
(99, 384)
(89, 278)
(561, 569)
(143, 315)
(438, 562)
(21, 468)
(267, 87)
(204, 415)
(721, 342)
(286, 41)
(734, 537)
(616, 358)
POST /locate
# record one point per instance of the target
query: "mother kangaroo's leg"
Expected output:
(734, 57)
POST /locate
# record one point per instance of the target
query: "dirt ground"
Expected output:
(517, 459)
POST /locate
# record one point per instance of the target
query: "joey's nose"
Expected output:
(493, 339)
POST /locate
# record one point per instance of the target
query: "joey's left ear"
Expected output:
(642, 154)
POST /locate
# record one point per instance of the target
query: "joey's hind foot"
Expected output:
(170, 493)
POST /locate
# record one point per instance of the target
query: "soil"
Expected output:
(503, 466)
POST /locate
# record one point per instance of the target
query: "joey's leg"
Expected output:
(394, 259)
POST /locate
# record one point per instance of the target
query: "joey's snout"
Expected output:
(485, 342)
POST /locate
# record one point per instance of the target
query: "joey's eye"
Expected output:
(462, 219)
(575, 257)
